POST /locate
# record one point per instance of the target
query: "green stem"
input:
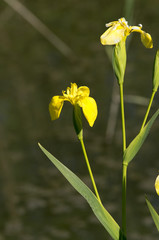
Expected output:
(148, 109)
(124, 171)
(124, 181)
(122, 116)
(89, 170)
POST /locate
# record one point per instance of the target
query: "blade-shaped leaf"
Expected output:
(154, 214)
(136, 144)
(101, 213)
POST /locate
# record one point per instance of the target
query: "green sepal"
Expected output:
(119, 60)
(77, 121)
(154, 214)
(137, 142)
(156, 72)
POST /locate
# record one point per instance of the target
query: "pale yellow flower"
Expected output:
(157, 184)
(75, 95)
(119, 30)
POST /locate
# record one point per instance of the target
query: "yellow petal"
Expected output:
(83, 91)
(55, 107)
(113, 35)
(157, 184)
(89, 107)
(146, 40)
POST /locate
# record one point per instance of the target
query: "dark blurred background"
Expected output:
(45, 45)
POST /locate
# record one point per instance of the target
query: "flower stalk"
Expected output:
(122, 116)
(148, 110)
(89, 169)
(124, 166)
(77, 122)
(155, 86)
(124, 185)
(119, 65)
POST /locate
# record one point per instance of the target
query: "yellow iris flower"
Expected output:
(75, 95)
(157, 184)
(119, 30)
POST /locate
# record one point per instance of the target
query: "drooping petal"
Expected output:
(89, 107)
(55, 106)
(116, 32)
(113, 35)
(83, 91)
(146, 40)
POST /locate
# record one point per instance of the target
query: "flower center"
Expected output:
(71, 94)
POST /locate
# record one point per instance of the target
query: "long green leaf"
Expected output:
(101, 213)
(154, 214)
(136, 144)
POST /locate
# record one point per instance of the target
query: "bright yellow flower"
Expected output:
(119, 30)
(157, 184)
(75, 95)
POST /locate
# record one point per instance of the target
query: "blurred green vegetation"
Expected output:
(37, 203)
